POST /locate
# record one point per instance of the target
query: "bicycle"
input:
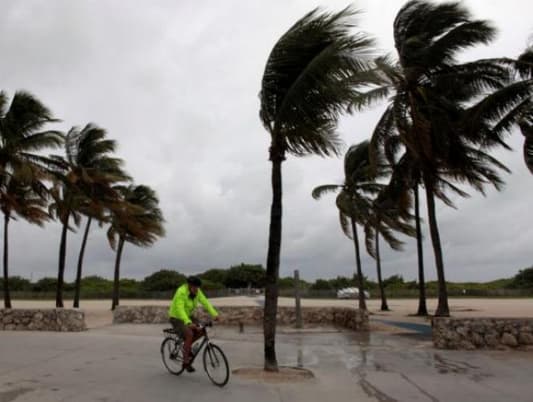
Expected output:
(213, 358)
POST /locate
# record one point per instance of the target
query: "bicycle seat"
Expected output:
(170, 331)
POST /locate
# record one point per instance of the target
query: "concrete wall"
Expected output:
(63, 320)
(482, 333)
(234, 315)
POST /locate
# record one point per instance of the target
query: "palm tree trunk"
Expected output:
(272, 269)
(7, 296)
(384, 305)
(422, 306)
(360, 280)
(116, 280)
(61, 269)
(76, 303)
(442, 308)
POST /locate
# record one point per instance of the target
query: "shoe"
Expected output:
(189, 368)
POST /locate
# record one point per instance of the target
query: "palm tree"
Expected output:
(66, 200)
(21, 168)
(80, 185)
(386, 216)
(135, 219)
(315, 70)
(353, 201)
(99, 171)
(27, 202)
(448, 114)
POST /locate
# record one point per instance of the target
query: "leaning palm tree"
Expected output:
(66, 198)
(135, 218)
(315, 70)
(386, 144)
(448, 114)
(27, 201)
(353, 201)
(80, 186)
(99, 172)
(21, 138)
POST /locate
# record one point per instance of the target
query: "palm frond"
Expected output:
(319, 191)
(311, 76)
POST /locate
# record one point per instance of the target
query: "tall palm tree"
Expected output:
(21, 137)
(354, 201)
(81, 185)
(100, 171)
(315, 70)
(66, 198)
(135, 219)
(27, 202)
(447, 114)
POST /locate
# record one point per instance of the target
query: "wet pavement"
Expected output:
(119, 363)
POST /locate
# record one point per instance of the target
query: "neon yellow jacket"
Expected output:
(183, 306)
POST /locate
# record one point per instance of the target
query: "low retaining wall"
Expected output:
(482, 333)
(58, 319)
(349, 318)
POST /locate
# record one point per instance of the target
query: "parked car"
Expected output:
(350, 293)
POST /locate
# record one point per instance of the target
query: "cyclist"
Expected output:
(181, 316)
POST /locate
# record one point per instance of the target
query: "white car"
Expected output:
(350, 293)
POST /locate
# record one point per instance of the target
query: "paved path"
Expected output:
(122, 363)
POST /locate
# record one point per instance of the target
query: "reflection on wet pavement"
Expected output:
(406, 367)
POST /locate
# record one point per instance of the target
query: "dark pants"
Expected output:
(189, 334)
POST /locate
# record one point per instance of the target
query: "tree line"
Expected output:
(85, 181)
(253, 276)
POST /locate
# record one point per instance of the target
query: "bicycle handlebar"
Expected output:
(205, 324)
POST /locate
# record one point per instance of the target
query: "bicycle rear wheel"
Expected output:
(172, 355)
(216, 365)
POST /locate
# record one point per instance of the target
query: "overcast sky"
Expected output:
(176, 84)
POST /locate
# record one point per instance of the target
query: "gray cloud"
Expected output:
(176, 84)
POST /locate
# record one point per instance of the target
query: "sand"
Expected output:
(98, 311)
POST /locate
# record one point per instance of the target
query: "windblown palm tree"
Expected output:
(386, 216)
(447, 114)
(314, 72)
(100, 171)
(354, 200)
(135, 219)
(21, 168)
(82, 184)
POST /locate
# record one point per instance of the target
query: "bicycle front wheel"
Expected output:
(216, 365)
(172, 355)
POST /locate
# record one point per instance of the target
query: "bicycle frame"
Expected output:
(205, 340)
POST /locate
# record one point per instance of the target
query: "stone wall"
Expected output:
(232, 315)
(482, 333)
(57, 319)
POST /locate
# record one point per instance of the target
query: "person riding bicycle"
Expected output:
(181, 316)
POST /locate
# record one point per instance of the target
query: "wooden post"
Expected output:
(297, 299)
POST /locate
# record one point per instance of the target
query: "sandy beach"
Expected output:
(98, 311)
